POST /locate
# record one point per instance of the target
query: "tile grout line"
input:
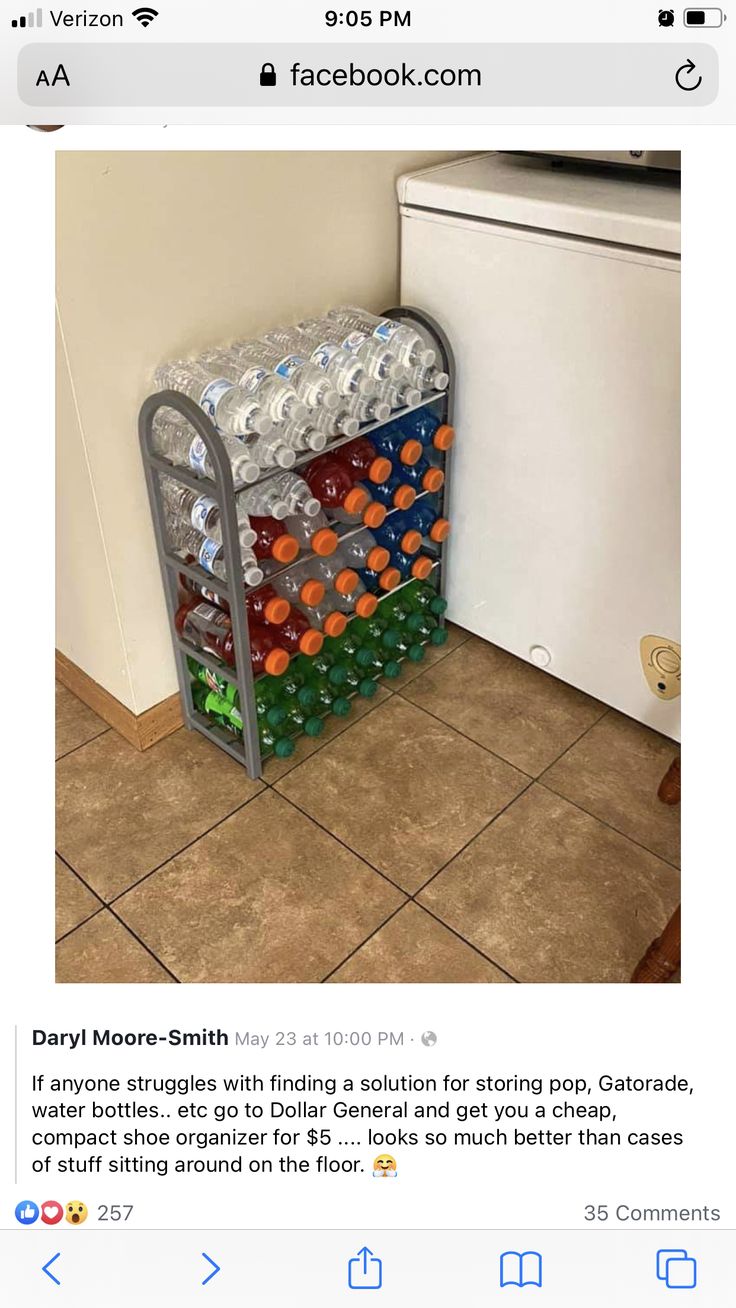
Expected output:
(486, 957)
(357, 949)
(143, 945)
(610, 827)
(573, 743)
(103, 908)
(480, 832)
(498, 757)
(348, 727)
(342, 842)
(170, 857)
(75, 749)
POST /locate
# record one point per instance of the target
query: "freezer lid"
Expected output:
(594, 202)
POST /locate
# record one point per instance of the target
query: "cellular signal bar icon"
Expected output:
(32, 20)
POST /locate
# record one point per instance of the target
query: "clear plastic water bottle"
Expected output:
(279, 496)
(406, 344)
(429, 378)
(203, 511)
(231, 408)
(310, 382)
(307, 433)
(345, 372)
(399, 395)
(340, 423)
(275, 395)
(272, 451)
(177, 441)
(372, 354)
(185, 539)
(368, 408)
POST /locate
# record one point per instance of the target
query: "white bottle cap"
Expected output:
(247, 537)
(261, 424)
(311, 507)
(441, 381)
(349, 426)
(330, 400)
(245, 471)
(316, 440)
(285, 456)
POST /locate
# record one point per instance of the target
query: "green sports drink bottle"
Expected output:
(425, 627)
(368, 631)
(426, 597)
(274, 740)
(374, 662)
(402, 645)
(291, 688)
(299, 719)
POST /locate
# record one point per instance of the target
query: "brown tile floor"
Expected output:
(476, 821)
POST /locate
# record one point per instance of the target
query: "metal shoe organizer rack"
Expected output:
(247, 750)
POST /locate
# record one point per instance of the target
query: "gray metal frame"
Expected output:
(247, 752)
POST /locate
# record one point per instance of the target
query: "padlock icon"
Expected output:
(268, 75)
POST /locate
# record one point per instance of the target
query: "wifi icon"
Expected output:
(145, 15)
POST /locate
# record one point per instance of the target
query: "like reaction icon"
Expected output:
(365, 1272)
(26, 1212)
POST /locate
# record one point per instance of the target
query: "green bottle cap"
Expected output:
(364, 658)
(390, 638)
(275, 716)
(391, 668)
(438, 605)
(337, 676)
(341, 706)
(306, 697)
(415, 653)
(314, 726)
(438, 636)
(367, 687)
(284, 747)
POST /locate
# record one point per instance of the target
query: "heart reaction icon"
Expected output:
(51, 1212)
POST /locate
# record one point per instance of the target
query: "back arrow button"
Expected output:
(212, 1263)
(683, 77)
(46, 1266)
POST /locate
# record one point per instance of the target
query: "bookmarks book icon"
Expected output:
(521, 1268)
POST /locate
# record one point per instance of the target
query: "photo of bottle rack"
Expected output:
(299, 488)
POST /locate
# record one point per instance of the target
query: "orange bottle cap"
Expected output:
(439, 530)
(443, 437)
(404, 497)
(356, 500)
(421, 568)
(433, 479)
(346, 581)
(410, 541)
(380, 470)
(285, 549)
(389, 578)
(312, 592)
(311, 642)
(375, 514)
(277, 661)
(366, 605)
(324, 542)
(377, 558)
(335, 624)
(411, 452)
(277, 610)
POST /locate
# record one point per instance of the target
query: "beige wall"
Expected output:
(159, 255)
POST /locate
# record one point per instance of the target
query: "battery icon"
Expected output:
(703, 17)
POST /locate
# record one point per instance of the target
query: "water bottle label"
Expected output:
(212, 394)
(198, 455)
(289, 365)
(353, 342)
(251, 379)
(201, 510)
(324, 354)
(385, 330)
(208, 554)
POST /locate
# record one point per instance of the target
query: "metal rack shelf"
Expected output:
(221, 487)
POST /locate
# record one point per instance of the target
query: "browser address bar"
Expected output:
(646, 74)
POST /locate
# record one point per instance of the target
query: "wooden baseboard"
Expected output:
(142, 730)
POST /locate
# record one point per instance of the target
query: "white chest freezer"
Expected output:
(559, 290)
